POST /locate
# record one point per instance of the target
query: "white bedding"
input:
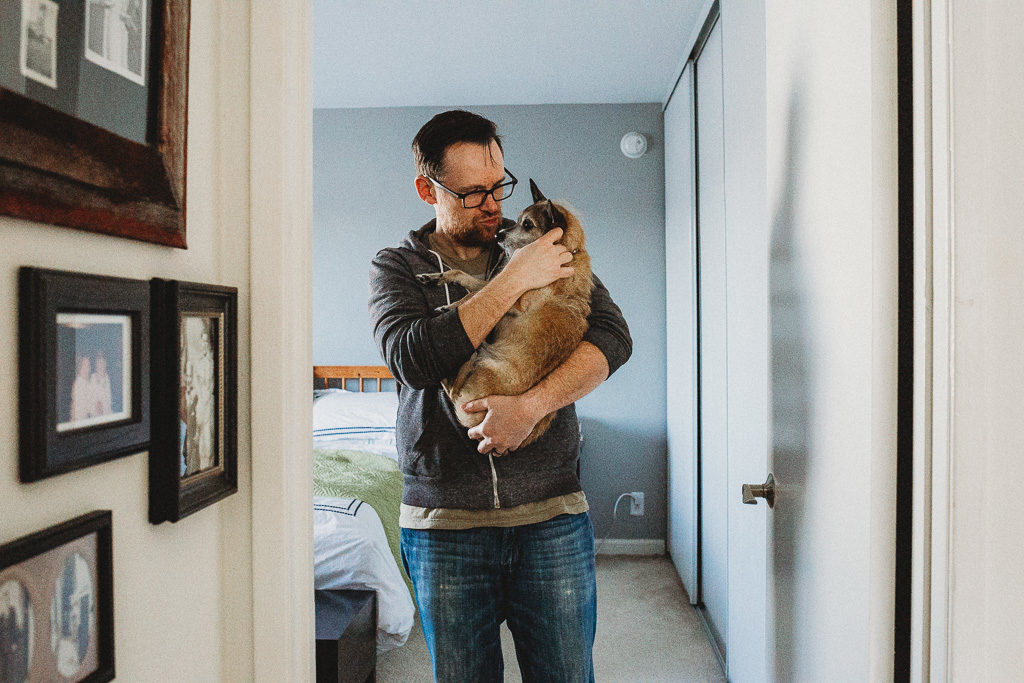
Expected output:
(350, 550)
(356, 420)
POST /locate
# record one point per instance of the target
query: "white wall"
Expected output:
(183, 602)
(987, 172)
(831, 132)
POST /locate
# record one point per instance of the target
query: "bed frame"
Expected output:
(323, 374)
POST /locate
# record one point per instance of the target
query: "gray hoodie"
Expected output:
(441, 464)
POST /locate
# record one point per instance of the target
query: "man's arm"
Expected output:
(605, 347)
(510, 419)
(535, 265)
(421, 348)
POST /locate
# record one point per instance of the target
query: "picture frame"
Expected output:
(57, 602)
(92, 124)
(83, 353)
(194, 449)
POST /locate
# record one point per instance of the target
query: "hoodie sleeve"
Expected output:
(607, 328)
(419, 347)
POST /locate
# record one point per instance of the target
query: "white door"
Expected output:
(681, 333)
(717, 250)
(749, 342)
(712, 311)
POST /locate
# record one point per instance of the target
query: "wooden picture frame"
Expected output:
(73, 413)
(194, 450)
(60, 169)
(57, 602)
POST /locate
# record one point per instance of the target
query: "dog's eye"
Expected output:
(528, 224)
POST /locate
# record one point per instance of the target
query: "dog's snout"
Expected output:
(502, 234)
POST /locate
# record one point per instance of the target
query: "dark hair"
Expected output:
(443, 131)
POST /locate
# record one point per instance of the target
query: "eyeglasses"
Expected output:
(471, 200)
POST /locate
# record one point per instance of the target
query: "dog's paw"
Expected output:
(428, 278)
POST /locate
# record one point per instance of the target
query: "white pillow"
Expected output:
(340, 408)
(359, 421)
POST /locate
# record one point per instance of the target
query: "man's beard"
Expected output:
(473, 234)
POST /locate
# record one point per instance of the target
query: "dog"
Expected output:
(541, 329)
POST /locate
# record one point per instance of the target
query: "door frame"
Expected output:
(930, 627)
(281, 292)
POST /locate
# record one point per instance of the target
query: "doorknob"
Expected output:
(751, 492)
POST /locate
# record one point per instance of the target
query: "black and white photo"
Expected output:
(72, 615)
(56, 603)
(93, 369)
(39, 41)
(200, 348)
(17, 632)
(115, 36)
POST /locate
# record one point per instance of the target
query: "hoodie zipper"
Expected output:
(494, 472)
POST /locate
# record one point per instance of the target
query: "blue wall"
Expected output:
(364, 199)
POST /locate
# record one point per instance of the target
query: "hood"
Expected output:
(417, 241)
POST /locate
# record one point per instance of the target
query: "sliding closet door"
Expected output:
(681, 332)
(712, 363)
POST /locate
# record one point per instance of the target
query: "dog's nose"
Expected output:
(502, 234)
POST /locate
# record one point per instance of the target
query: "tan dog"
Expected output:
(541, 329)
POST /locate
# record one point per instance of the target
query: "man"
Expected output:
(489, 533)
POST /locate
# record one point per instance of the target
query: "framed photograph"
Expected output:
(93, 115)
(115, 38)
(194, 449)
(39, 41)
(84, 370)
(57, 603)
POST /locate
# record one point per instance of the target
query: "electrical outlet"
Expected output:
(636, 503)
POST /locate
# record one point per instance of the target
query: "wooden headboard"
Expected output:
(323, 374)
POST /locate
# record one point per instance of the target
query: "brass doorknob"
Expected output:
(751, 492)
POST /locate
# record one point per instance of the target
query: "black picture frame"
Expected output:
(48, 446)
(45, 567)
(190, 424)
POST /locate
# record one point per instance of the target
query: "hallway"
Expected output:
(646, 631)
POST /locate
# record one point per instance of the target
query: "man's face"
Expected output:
(467, 167)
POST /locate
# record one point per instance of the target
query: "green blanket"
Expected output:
(372, 478)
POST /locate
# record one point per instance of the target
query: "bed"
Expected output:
(357, 488)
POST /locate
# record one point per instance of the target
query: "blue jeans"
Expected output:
(539, 577)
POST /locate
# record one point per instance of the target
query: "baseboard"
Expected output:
(630, 546)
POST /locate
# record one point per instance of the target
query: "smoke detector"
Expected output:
(633, 145)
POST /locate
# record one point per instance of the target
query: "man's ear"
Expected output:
(425, 189)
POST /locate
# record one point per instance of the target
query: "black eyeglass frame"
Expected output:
(462, 195)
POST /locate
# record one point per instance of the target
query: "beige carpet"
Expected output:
(646, 631)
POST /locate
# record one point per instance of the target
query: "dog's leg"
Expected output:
(458, 277)
(452, 276)
(470, 283)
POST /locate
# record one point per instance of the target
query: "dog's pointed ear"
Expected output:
(538, 196)
(554, 216)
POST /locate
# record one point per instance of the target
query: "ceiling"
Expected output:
(388, 53)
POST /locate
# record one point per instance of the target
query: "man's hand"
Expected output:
(535, 265)
(508, 422)
(539, 263)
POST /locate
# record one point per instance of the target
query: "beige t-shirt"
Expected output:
(477, 267)
(412, 517)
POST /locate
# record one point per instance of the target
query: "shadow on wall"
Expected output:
(790, 399)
